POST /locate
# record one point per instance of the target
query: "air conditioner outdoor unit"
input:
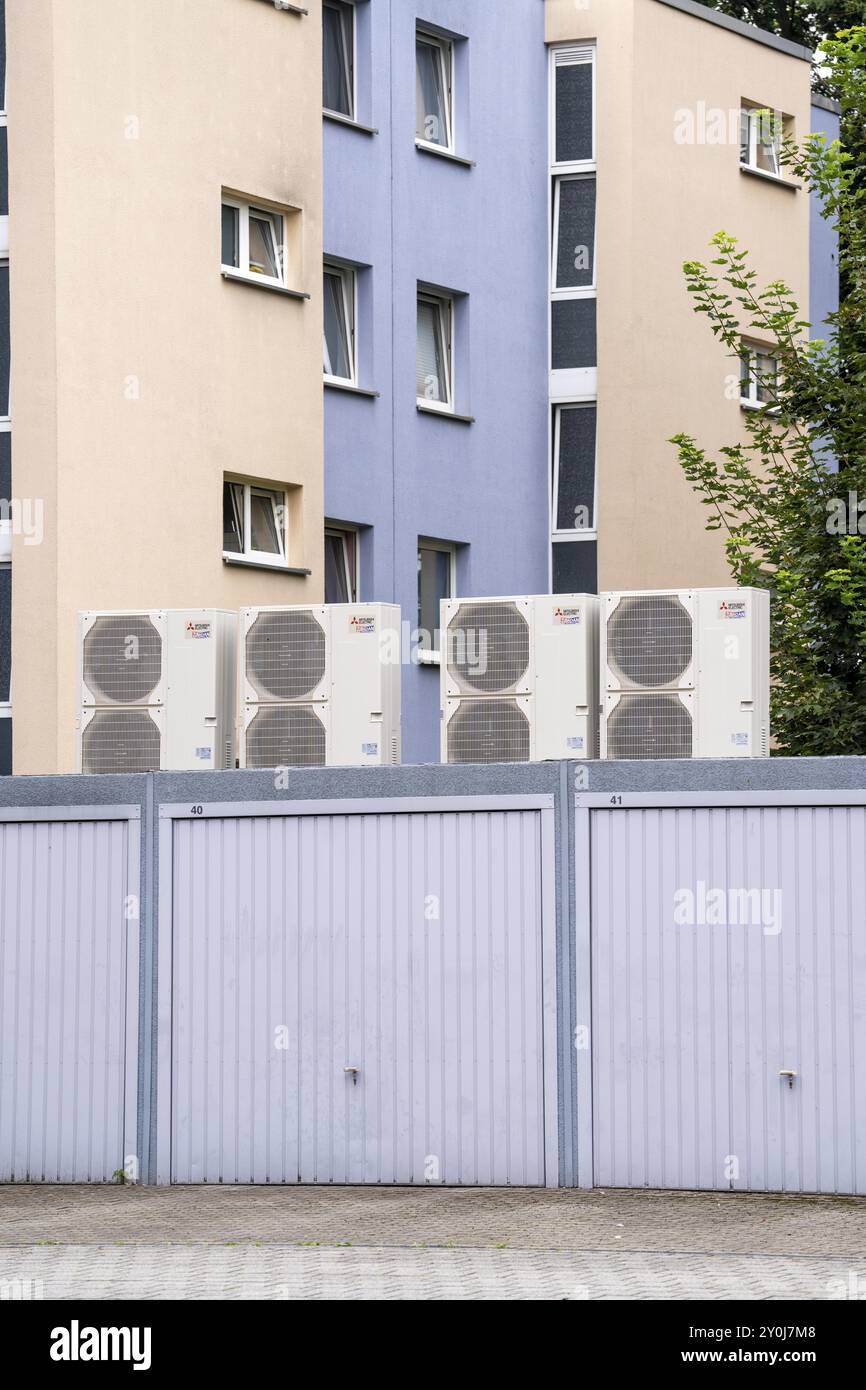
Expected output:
(320, 686)
(157, 690)
(685, 674)
(519, 678)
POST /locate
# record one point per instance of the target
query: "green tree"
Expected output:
(802, 21)
(791, 523)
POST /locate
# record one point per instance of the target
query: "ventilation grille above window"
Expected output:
(564, 57)
(286, 737)
(488, 731)
(649, 726)
(122, 660)
(488, 646)
(649, 641)
(120, 740)
(285, 655)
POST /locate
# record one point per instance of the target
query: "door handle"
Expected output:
(353, 1072)
(791, 1075)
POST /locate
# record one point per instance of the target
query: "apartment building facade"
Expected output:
(651, 104)
(436, 417)
(165, 176)
(483, 250)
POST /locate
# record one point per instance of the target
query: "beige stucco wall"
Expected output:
(140, 376)
(660, 371)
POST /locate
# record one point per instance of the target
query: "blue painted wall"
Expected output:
(414, 217)
(824, 264)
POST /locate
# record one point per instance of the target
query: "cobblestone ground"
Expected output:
(351, 1243)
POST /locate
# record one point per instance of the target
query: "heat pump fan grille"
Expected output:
(649, 726)
(649, 640)
(488, 731)
(488, 646)
(293, 737)
(285, 653)
(120, 740)
(122, 660)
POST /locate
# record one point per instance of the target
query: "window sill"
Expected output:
(761, 406)
(445, 414)
(340, 119)
(425, 658)
(439, 153)
(244, 563)
(769, 178)
(239, 278)
(353, 390)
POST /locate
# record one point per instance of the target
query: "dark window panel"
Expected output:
(5, 465)
(575, 261)
(574, 113)
(4, 340)
(5, 630)
(575, 567)
(574, 342)
(577, 431)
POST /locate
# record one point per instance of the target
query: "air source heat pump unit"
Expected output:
(320, 686)
(157, 690)
(519, 678)
(685, 674)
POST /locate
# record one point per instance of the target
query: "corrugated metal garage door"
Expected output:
(700, 1002)
(68, 995)
(410, 946)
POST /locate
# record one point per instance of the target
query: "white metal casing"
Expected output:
(353, 704)
(551, 704)
(192, 704)
(723, 689)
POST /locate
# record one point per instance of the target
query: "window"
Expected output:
(437, 574)
(761, 140)
(339, 357)
(573, 334)
(574, 233)
(338, 93)
(5, 344)
(254, 523)
(573, 112)
(434, 352)
(434, 67)
(759, 375)
(341, 565)
(574, 462)
(253, 242)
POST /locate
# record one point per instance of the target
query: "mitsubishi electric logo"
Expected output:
(76, 1343)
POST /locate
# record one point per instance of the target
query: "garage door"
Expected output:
(68, 994)
(360, 998)
(729, 997)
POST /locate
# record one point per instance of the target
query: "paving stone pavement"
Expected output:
(427, 1243)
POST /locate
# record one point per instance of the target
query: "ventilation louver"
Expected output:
(649, 726)
(121, 740)
(488, 731)
(286, 736)
(122, 660)
(649, 641)
(285, 657)
(488, 647)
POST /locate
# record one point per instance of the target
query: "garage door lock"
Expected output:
(353, 1072)
(791, 1076)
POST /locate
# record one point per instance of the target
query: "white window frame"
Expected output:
(431, 656)
(571, 55)
(349, 283)
(752, 401)
(445, 49)
(753, 113)
(261, 557)
(572, 291)
(278, 220)
(445, 305)
(574, 533)
(348, 20)
(353, 572)
(6, 420)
